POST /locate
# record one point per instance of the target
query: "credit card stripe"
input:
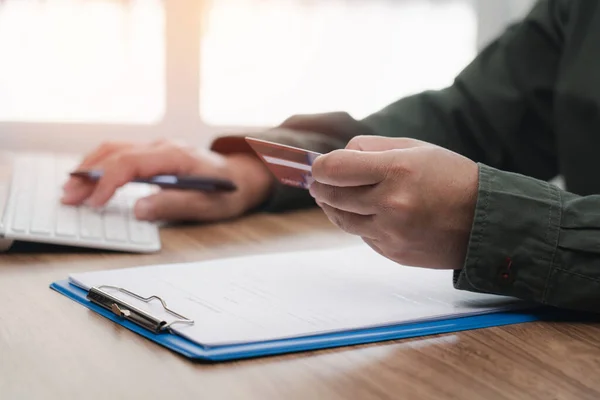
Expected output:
(287, 163)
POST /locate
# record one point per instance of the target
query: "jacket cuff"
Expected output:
(514, 236)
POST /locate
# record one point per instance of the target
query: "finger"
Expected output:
(77, 193)
(77, 189)
(142, 163)
(179, 205)
(102, 152)
(352, 168)
(355, 224)
(358, 199)
(91, 160)
(382, 143)
(72, 183)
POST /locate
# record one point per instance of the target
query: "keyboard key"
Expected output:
(115, 224)
(42, 218)
(90, 224)
(115, 227)
(23, 171)
(67, 218)
(22, 212)
(42, 222)
(140, 232)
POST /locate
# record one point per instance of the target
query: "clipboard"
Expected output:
(158, 331)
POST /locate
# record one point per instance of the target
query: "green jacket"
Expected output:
(526, 109)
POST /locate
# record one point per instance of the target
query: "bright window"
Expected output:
(262, 61)
(192, 69)
(82, 61)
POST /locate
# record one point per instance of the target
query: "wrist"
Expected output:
(253, 178)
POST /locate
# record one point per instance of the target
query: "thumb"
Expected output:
(382, 143)
(179, 205)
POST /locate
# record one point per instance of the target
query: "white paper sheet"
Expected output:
(258, 298)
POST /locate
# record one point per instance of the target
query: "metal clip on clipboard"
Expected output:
(131, 313)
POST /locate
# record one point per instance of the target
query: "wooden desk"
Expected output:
(52, 348)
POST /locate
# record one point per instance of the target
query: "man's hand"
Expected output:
(122, 162)
(411, 201)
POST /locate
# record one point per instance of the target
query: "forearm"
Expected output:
(533, 241)
(321, 133)
(420, 117)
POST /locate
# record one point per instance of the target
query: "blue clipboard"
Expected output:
(194, 351)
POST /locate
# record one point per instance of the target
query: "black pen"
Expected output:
(181, 182)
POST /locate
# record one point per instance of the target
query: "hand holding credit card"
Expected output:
(290, 165)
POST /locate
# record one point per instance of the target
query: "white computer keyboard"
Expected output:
(34, 211)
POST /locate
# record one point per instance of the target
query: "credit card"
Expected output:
(290, 165)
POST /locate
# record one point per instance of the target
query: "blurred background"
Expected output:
(74, 73)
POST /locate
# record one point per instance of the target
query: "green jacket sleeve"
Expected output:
(533, 241)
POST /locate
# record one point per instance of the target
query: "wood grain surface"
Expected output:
(52, 348)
